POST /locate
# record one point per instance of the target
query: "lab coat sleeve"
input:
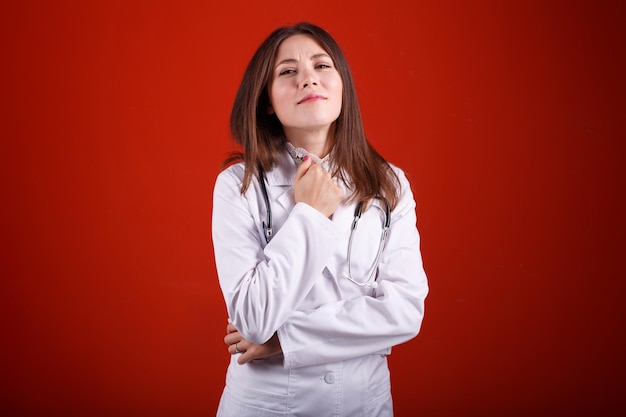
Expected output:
(367, 324)
(263, 285)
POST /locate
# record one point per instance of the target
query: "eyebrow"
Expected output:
(291, 60)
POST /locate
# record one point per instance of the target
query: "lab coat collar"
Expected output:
(282, 176)
(284, 171)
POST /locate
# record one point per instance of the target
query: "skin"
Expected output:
(303, 70)
(306, 95)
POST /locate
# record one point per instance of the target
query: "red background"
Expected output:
(507, 116)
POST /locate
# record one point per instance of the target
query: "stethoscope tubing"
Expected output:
(381, 244)
(358, 211)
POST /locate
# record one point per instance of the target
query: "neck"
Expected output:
(319, 143)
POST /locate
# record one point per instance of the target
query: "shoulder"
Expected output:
(400, 175)
(281, 174)
(406, 200)
(231, 176)
(396, 169)
(232, 171)
(230, 180)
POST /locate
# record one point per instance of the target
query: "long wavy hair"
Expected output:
(261, 135)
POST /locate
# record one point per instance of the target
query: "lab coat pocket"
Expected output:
(379, 401)
(258, 388)
(324, 291)
(331, 284)
(252, 402)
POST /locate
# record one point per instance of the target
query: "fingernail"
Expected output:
(305, 158)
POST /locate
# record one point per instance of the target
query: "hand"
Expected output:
(315, 187)
(250, 351)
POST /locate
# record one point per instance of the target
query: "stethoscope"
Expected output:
(371, 278)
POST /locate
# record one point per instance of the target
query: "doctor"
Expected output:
(317, 292)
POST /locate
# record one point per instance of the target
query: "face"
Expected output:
(306, 89)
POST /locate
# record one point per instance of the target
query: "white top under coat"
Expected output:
(298, 155)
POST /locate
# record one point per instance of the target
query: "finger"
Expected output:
(231, 328)
(232, 338)
(236, 348)
(245, 357)
(303, 168)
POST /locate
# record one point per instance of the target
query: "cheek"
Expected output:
(339, 83)
(339, 92)
(337, 87)
(277, 103)
(274, 105)
(277, 96)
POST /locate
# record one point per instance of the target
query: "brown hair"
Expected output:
(261, 135)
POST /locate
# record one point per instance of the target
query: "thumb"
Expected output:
(303, 168)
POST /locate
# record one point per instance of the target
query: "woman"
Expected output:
(314, 307)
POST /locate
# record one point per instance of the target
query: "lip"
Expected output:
(311, 97)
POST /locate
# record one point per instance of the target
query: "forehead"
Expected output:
(298, 45)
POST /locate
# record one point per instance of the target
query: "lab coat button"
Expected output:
(329, 378)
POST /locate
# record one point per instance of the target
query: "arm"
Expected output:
(263, 286)
(364, 325)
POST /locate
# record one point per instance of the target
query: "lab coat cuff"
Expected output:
(285, 344)
(316, 216)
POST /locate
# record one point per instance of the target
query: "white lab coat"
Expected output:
(335, 335)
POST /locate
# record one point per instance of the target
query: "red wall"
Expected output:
(507, 116)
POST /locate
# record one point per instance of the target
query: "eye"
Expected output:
(287, 71)
(323, 66)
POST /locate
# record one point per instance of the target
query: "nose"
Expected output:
(308, 83)
(308, 79)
